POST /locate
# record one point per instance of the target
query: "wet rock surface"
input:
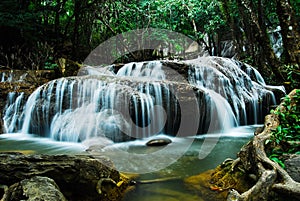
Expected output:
(159, 141)
(78, 177)
(293, 168)
(36, 188)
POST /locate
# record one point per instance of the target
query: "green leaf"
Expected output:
(277, 160)
(279, 128)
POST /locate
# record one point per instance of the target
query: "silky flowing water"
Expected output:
(141, 100)
(206, 111)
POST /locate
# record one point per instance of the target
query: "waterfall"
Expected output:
(140, 100)
(12, 75)
(276, 41)
(6, 76)
(240, 84)
(80, 108)
(13, 112)
(152, 70)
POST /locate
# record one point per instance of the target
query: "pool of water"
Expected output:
(188, 165)
(159, 171)
(30, 144)
(174, 188)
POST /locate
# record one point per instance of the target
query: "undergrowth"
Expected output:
(285, 140)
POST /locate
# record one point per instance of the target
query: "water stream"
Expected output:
(188, 165)
(141, 100)
(206, 110)
(176, 189)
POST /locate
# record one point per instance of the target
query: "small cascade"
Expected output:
(12, 75)
(222, 116)
(13, 116)
(152, 70)
(139, 101)
(276, 41)
(6, 76)
(244, 89)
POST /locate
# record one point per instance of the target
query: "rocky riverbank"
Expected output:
(59, 177)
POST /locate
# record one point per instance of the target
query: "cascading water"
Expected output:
(240, 84)
(276, 41)
(80, 108)
(139, 100)
(152, 70)
(13, 112)
(6, 77)
(12, 75)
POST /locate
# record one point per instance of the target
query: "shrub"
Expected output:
(285, 139)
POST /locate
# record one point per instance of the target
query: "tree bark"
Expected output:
(289, 31)
(265, 50)
(75, 37)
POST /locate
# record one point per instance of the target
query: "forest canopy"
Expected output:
(263, 33)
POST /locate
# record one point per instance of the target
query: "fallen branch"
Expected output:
(151, 181)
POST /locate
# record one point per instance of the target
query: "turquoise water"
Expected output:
(188, 165)
(30, 144)
(222, 146)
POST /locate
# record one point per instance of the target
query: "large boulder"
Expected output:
(78, 177)
(293, 168)
(36, 188)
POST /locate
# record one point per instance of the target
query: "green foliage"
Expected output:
(50, 64)
(276, 158)
(293, 75)
(73, 27)
(13, 14)
(288, 132)
(296, 6)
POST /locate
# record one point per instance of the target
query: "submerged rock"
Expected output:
(97, 143)
(159, 141)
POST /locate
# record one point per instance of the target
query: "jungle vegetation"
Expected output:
(263, 33)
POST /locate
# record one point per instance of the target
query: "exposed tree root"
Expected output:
(270, 178)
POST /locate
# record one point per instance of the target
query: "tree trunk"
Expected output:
(289, 31)
(265, 50)
(247, 42)
(75, 39)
